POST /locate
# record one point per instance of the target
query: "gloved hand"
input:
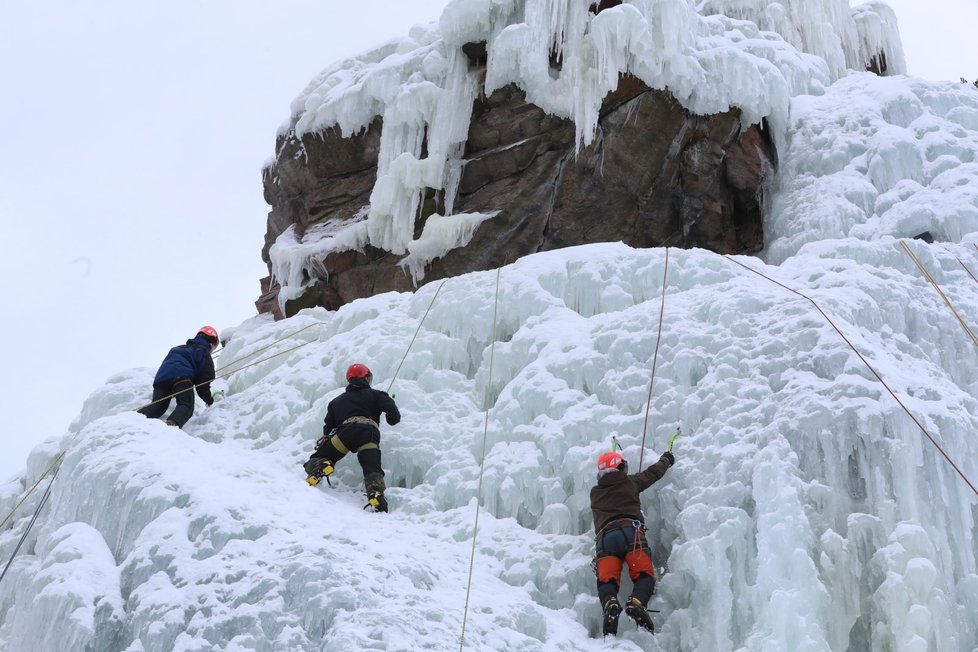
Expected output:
(669, 457)
(218, 395)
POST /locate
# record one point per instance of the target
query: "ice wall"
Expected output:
(800, 515)
(847, 39)
(873, 157)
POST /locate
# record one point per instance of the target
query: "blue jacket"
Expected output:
(191, 361)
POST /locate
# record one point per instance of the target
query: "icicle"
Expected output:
(877, 27)
(567, 60)
(441, 234)
(845, 38)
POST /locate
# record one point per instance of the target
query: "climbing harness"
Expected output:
(44, 499)
(315, 474)
(482, 463)
(655, 358)
(620, 524)
(639, 541)
(363, 421)
(868, 366)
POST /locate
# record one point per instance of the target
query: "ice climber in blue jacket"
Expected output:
(183, 368)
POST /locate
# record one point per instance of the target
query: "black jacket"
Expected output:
(360, 400)
(617, 495)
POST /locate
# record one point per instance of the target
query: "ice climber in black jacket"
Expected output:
(353, 424)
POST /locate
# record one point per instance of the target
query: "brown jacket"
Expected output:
(616, 496)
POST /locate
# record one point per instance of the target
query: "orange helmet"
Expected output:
(358, 370)
(210, 332)
(610, 460)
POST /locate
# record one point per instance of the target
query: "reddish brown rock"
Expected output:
(655, 175)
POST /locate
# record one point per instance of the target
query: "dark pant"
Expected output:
(365, 442)
(621, 544)
(161, 401)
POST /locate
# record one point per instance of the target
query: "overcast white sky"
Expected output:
(132, 137)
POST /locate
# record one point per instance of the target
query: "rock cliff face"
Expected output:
(655, 175)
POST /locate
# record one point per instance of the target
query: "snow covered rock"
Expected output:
(526, 125)
(657, 175)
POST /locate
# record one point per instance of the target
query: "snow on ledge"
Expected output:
(296, 262)
(441, 234)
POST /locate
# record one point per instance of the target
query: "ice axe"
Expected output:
(672, 440)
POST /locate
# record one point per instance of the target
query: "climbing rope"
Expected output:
(299, 346)
(868, 366)
(40, 506)
(940, 293)
(418, 330)
(31, 490)
(961, 262)
(482, 464)
(265, 348)
(655, 358)
(225, 375)
(966, 269)
(61, 454)
(282, 339)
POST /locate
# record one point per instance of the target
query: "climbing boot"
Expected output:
(171, 422)
(317, 468)
(609, 621)
(636, 610)
(374, 484)
(376, 500)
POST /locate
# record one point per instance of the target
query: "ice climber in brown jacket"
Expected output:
(620, 536)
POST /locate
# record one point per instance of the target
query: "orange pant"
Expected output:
(624, 544)
(609, 568)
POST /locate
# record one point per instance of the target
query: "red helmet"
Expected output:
(358, 370)
(610, 460)
(210, 332)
